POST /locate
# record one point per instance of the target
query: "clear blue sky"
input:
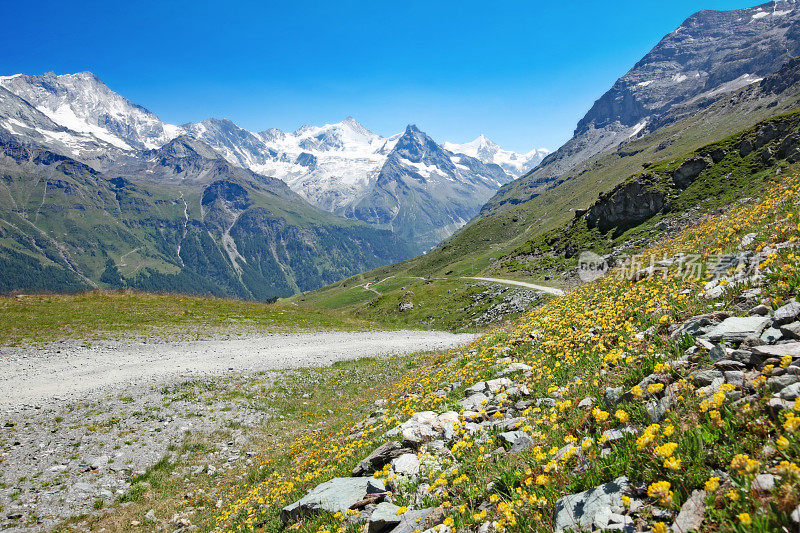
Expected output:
(522, 72)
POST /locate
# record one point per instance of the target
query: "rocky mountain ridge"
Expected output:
(710, 54)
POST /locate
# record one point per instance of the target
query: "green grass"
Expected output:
(450, 304)
(97, 315)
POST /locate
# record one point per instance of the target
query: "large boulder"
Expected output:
(737, 328)
(334, 496)
(590, 509)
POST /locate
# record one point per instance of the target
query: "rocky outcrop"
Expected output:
(627, 205)
(652, 191)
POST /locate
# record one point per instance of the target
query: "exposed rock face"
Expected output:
(334, 496)
(647, 193)
(627, 205)
(684, 175)
(710, 54)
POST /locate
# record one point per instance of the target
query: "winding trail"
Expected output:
(55, 373)
(548, 290)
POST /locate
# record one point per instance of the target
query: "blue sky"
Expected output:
(523, 73)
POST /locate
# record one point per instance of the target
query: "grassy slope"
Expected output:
(583, 343)
(720, 185)
(440, 303)
(98, 315)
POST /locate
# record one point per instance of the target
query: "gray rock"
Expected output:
(695, 326)
(791, 331)
(383, 517)
(515, 367)
(379, 458)
(745, 357)
(760, 310)
(544, 402)
(776, 405)
(729, 364)
(411, 521)
(611, 436)
(692, 513)
(790, 392)
(516, 440)
(407, 464)
(474, 402)
(701, 378)
(614, 395)
(749, 296)
(593, 507)
(717, 353)
(334, 496)
(764, 483)
(735, 377)
(657, 409)
(771, 335)
(786, 314)
(778, 350)
(736, 329)
(426, 426)
(586, 403)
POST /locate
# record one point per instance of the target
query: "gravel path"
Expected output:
(549, 290)
(55, 373)
(77, 422)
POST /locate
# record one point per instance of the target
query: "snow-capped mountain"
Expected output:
(424, 192)
(406, 182)
(84, 104)
(340, 167)
(329, 165)
(486, 150)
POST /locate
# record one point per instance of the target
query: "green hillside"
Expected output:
(65, 227)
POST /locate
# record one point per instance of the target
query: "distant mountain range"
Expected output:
(101, 193)
(341, 168)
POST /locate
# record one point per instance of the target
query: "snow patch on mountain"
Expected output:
(485, 150)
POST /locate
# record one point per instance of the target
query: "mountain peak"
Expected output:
(185, 146)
